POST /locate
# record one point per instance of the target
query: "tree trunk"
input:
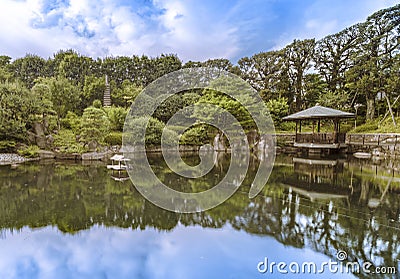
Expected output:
(370, 109)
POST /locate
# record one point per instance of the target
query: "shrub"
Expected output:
(287, 126)
(95, 125)
(71, 121)
(196, 135)
(31, 151)
(116, 116)
(7, 146)
(113, 138)
(52, 122)
(152, 131)
(278, 108)
(66, 142)
(97, 104)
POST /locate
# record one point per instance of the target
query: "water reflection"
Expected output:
(309, 209)
(186, 252)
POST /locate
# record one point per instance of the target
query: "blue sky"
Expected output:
(192, 29)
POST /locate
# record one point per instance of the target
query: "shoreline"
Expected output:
(14, 158)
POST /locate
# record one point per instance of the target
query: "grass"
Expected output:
(376, 126)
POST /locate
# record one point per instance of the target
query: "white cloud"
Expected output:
(194, 33)
(101, 28)
(194, 30)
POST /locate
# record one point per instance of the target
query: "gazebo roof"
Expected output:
(318, 112)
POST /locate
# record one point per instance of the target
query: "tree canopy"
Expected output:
(356, 67)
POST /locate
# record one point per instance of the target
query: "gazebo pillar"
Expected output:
(335, 134)
(313, 127)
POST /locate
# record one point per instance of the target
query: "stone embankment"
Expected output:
(381, 145)
(10, 158)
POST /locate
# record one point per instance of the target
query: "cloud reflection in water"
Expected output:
(101, 252)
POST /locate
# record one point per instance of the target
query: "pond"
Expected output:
(322, 218)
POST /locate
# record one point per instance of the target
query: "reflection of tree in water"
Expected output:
(75, 197)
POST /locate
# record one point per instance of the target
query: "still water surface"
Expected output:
(67, 220)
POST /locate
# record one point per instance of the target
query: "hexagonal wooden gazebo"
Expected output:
(316, 139)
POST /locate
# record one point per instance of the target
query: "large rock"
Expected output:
(38, 129)
(49, 140)
(93, 156)
(41, 141)
(92, 145)
(31, 137)
(44, 154)
(69, 156)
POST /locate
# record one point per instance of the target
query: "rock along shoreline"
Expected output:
(12, 158)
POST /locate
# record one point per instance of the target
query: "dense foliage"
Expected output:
(356, 67)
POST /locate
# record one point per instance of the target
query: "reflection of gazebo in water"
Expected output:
(316, 139)
(317, 179)
(119, 167)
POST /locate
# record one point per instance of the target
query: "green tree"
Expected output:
(278, 108)
(299, 56)
(338, 100)
(315, 89)
(332, 56)
(264, 71)
(221, 64)
(93, 89)
(173, 104)
(152, 128)
(19, 108)
(43, 95)
(374, 57)
(64, 96)
(125, 96)
(29, 68)
(164, 64)
(94, 126)
(5, 71)
(237, 107)
(75, 68)
(116, 116)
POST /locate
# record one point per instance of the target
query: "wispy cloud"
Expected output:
(194, 30)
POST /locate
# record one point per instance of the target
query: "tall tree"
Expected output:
(5, 71)
(266, 72)
(93, 89)
(375, 56)
(299, 56)
(75, 68)
(29, 68)
(332, 56)
(64, 95)
(19, 108)
(315, 89)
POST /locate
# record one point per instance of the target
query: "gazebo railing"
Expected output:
(322, 138)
